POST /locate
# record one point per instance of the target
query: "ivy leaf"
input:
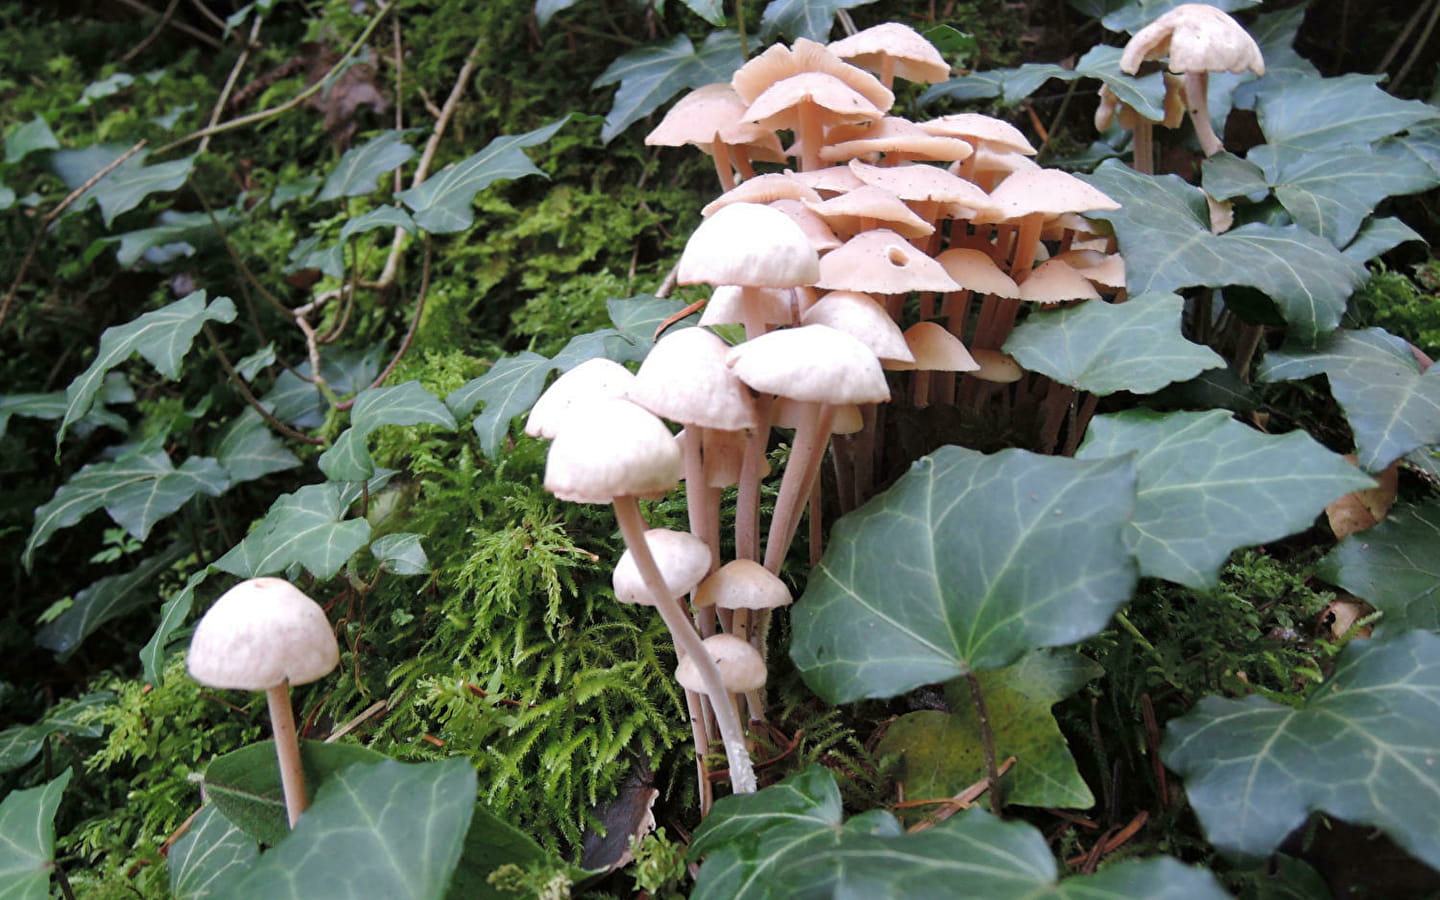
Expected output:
(442, 203)
(1226, 176)
(250, 450)
(1325, 114)
(952, 594)
(27, 820)
(1275, 34)
(637, 318)
(789, 841)
(109, 598)
(402, 404)
(1131, 17)
(1379, 236)
(1391, 406)
(941, 753)
(136, 491)
(380, 217)
(172, 616)
(355, 174)
(712, 11)
(1361, 748)
(1394, 566)
(162, 337)
(811, 19)
(1209, 484)
(52, 406)
(401, 554)
(306, 528)
(127, 187)
(652, 74)
(382, 829)
(545, 10)
(213, 851)
(1146, 94)
(1107, 347)
(308, 254)
(510, 388)
(27, 138)
(21, 743)
(299, 189)
(155, 244)
(1163, 227)
(1421, 142)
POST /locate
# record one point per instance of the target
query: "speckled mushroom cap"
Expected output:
(261, 634)
(748, 244)
(813, 363)
(682, 558)
(740, 665)
(1198, 38)
(609, 449)
(880, 261)
(684, 378)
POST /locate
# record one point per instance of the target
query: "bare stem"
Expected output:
(287, 750)
(987, 741)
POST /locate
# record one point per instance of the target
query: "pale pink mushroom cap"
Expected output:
(727, 306)
(749, 244)
(936, 350)
(916, 59)
(741, 667)
(609, 449)
(974, 270)
(1056, 281)
(881, 262)
(261, 634)
(762, 189)
(684, 379)
(682, 558)
(860, 316)
(592, 380)
(742, 584)
(811, 363)
(981, 131)
(1198, 38)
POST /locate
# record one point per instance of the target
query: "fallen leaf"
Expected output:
(1362, 510)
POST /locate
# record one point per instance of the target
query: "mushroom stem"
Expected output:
(1144, 145)
(811, 437)
(287, 751)
(687, 642)
(1197, 103)
(747, 500)
(720, 153)
(812, 135)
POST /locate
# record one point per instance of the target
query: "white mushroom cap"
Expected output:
(749, 244)
(609, 449)
(684, 378)
(740, 665)
(1198, 38)
(814, 363)
(261, 634)
(594, 379)
(682, 558)
(743, 584)
(857, 314)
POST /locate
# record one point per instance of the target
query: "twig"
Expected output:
(178, 26)
(205, 11)
(293, 102)
(949, 806)
(249, 396)
(230, 83)
(149, 39)
(1049, 133)
(409, 334)
(50, 218)
(370, 712)
(1400, 40)
(1419, 45)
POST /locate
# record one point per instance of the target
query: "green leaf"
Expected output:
(1394, 566)
(28, 137)
(510, 388)
(1108, 347)
(650, 75)
(1275, 33)
(52, 406)
(355, 174)
(299, 189)
(788, 842)
(1164, 232)
(1391, 406)
(1209, 484)
(162, 337)
(245, 784)
(941, 753)
(1146, 94)
(136, 491)
(986, 558)
(213, 851)
(306, 528)
(21, 743)
(811, 19)
(401, 554)
(172, 616)
(1131, 17)
(545, 10)
(308, 254)
(637, 318)
(1226, 176)
(27, 824)
(491, 843)
(1379, 236)
(401, 404)
(442, 203)
(250, 450)
(383, 829)
(127, 187)
(7, 198)
(970, 87)
(109, 598)
(1421, 142)
(712, 11)
(1332, 192)
(1324, 114)
(381, 217)
(154, 244)
(1361, 748)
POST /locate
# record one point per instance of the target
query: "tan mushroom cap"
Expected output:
(861, 316)
(682, 558)
(748, 244)
(881, 262)
(811, 363)
(923, 183)
(1056, 281)
(728, 304)
(777, 106)
(1107, 269)
(609, 449)
(915, 58)
(871, 207)
(821, 236)
(742, 584)
(1049, 191)
(741, 667)
(936, 350)
(829, 180)
(261, 634)
(995, 366)
(974, 270)
(762, 189)
(806, 56)
(706, 114)
(891, 135)
(684, 379)
(1196, 37)
(591, 380)
(981, 131)
(791, 414)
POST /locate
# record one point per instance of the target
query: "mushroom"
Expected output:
(265, 635)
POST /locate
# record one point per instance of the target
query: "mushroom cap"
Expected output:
(860, 315)
(682, 558)
(1102, 268)
(1198, 38)
(1055, 281)
(609, 449)
(728, 304)
(592, 380)
(880, 261)
(706, 114)
(876, 205)
(789, 414)
(740, 665)
(749, 244)
(1048, 191)
(684, 379)
(811, 363)
(822, 238)
(916, 59)
(778, 106)
(829, 180)
(981, 130)
(936, 350)
(1001, 368)
(974, 270)
(742, 584)
(762, 189)
(778, 63)
(923, 183)
(892, 135)
(261, 634)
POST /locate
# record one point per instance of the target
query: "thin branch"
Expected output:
(205, 11)
(250, 397)
(196, 33)
(149, 39)
(239, 261)
(409, 334)
(230, 83)
(1420, 43)
(50, 218)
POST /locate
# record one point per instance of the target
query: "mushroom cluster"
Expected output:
(890, 246)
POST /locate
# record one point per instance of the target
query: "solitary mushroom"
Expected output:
(265, 635)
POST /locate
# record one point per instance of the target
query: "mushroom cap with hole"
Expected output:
(811, 363)
(880, 261)
(762, 189)
(684, 379)
(261, 634)
(729, 303)
(682, 558)
(916, 59)
(740, 665)
(861, 316)
(742, 584)
(609, 449)
(936, 350)
(1196, 37)
(748, 244)
(981, 131)
(592, 380)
